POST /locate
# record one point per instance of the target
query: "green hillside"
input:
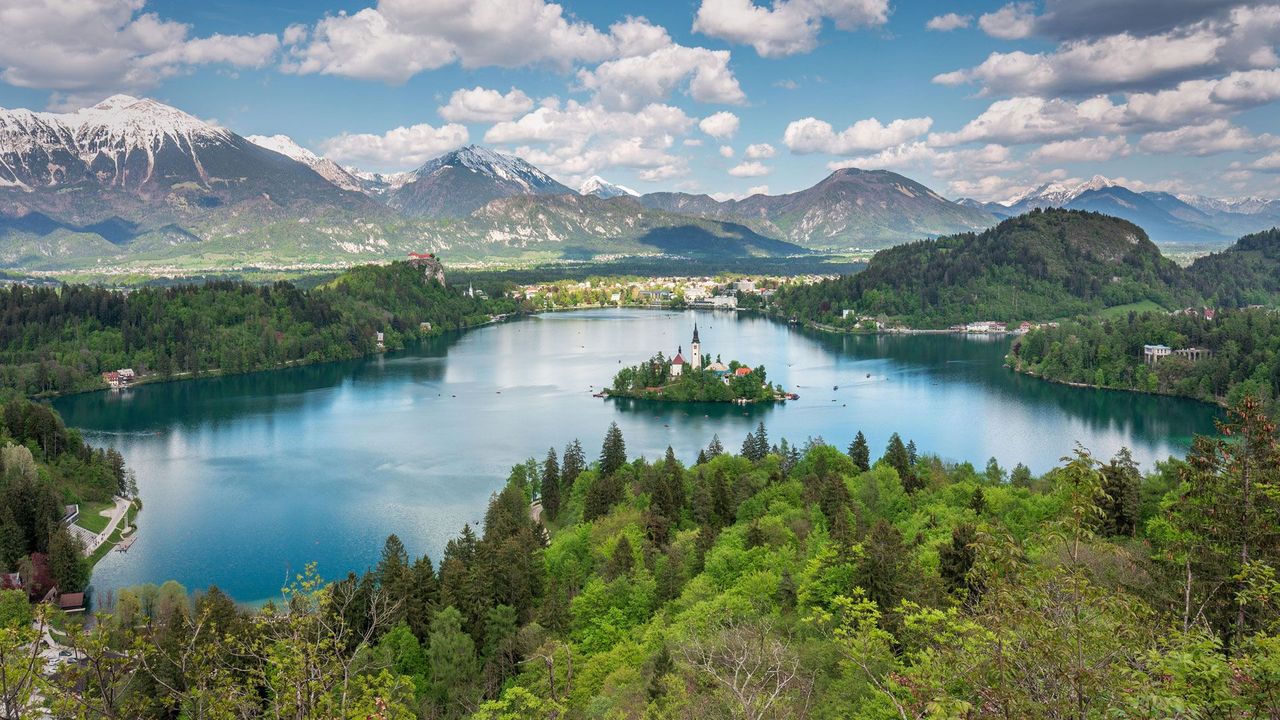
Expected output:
(1044, 265)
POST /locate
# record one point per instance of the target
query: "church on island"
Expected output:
(678, 363)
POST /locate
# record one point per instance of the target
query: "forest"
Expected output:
(653, 380)
(61, 340)
(44, 466)
(1107, 352)
(780, 581)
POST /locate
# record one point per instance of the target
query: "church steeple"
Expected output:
(695, 332)
(695, 350)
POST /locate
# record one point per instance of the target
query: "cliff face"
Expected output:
(431, 267)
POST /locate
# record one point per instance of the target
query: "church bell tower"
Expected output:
(696, 350)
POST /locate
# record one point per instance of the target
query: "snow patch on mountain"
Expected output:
(324, 167)
(1057, 194)
(598, 186)
(494, 164)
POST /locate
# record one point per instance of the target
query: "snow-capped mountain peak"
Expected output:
(598, 186)
(506, 168)
(326, 168)
(1058, 193)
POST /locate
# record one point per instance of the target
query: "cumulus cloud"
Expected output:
(947, 23)
(400, 38)
(483, 105)
(726, 151)
(1243, 39)
(787, 27)
(1013, 21)
(1213, 137)
(575, 140)
(397, 149)
(760, 151)
(91, 48)
(1094, 149)
(750, 168)
(810, 135)
(1034, 119)
(630, 82)
(719, 125)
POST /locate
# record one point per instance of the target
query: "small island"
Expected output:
(697, 379)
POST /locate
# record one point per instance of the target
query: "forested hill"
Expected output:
(1246, 273)
(775, 583)
(61, 340)
(1044, 265)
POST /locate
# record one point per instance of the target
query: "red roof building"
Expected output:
(742, 371)
(679, 360)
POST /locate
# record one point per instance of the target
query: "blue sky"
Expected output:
(718, 96)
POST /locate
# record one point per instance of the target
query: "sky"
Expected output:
(727, 97)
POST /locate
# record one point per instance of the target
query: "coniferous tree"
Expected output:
(882, 573)
(575, 461)
(451, 657)
(613, 453)
(393, 577)
(913, 456)
(897, 457)
(715, 448)
(1020, 476)
(603, 493)
(1122, 483)
(762, 441)
(956, 559)
(425, 591)
(749, 450)
(621, 561)
(860, 452)
(702, 457)
(551, 485)
(67, 563)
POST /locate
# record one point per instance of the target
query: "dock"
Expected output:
(124, 544)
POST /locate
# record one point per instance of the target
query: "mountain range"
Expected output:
(1169, 219)
(133, 181)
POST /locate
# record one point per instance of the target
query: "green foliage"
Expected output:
(1043, 265)
(1244, 347)
(57, 341)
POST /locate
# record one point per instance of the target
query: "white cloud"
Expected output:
(691, 142)
(92, 48)
(483, 105)
(757, 190)
(947, 23)
(1243, 40)
(1011, 22)
(1213, 137)
(631, 82)
(720, 125)
(809, 135)
(1034, 119)
(575, 140)
(1094, 149)
(400, 38)
(760, 151)
(726, 151)
(750, 168)
(400, 148)
(789, 26)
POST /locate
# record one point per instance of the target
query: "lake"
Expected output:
(245, 479)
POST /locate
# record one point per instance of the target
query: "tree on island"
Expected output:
(860, 452)
(551, 485)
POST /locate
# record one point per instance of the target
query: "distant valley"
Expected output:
(133, 182)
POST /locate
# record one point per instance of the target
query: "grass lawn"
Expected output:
(1123, 310)
(90, 519)
(116, 535)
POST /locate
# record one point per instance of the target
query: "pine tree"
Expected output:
(67, 563)
(762, 441)
(702, 458)
(715, 449)
(393, 577)
(860, 452)
(913, 457)
(1122, 482)
(551, 485)
(956, 559)
(621, 561)
(896, 456)
(882, 574)
(451, 656)
(1020, 477)
(613, 453)
(978, 503)
(575, 461)
(603, 493)
(423, 595)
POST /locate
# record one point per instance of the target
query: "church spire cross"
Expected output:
(695, 332)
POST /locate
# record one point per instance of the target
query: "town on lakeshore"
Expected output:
(697, 379)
